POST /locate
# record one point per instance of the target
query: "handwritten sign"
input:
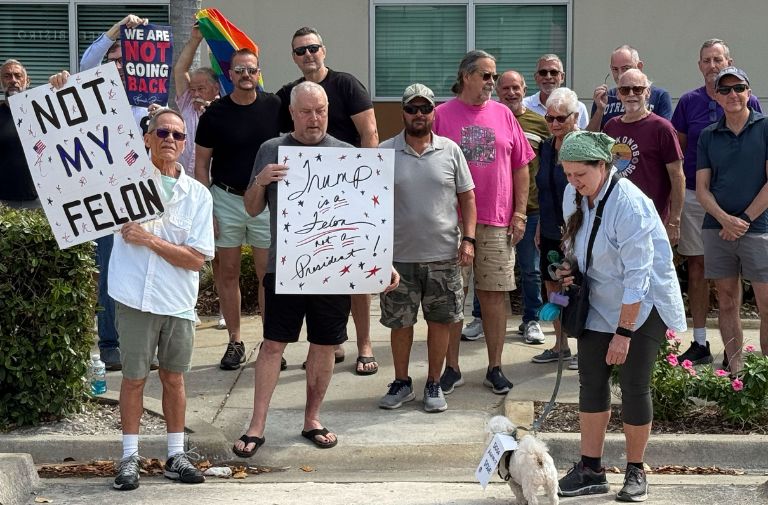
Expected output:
(498, 446)
(147, 58)
(86, 156)
(334, 222)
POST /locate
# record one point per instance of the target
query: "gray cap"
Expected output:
(418, 90)
(736, 72)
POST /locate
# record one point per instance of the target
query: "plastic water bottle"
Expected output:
(98, 375)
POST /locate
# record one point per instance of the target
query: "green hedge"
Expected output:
(47, 304)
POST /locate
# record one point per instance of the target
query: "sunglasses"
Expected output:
(302, 50)
(559, 119)
(487, 76)
(738, 88)
(250, 70)
(162, 133)
(544, 72)
(413, 109)
(637, 90)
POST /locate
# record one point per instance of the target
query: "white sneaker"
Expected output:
(222, 325)
(533, 333)
(574, 364)
(473, 330)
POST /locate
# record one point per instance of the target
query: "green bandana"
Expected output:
(586, 146)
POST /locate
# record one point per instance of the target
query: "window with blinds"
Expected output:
(37, 35)
(425, 41)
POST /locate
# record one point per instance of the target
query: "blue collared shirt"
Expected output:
(631, 259)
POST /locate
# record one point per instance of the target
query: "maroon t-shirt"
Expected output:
(641, 153)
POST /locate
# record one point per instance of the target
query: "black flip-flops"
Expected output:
(258, 441)
(311, 434)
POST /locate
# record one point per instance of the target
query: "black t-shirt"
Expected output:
(235, 133)
(17, 182)
(346, 97)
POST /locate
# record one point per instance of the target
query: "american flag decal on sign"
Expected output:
(39, 147)
(131, 157)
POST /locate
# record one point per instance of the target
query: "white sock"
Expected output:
(700, 336)
(130, 445)
(175, 443)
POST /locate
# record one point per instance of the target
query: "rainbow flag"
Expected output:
(223, 39)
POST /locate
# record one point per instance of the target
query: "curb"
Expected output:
(18, 478)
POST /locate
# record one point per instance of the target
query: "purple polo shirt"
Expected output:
(694, 112)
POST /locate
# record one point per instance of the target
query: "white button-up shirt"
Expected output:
(631, 258)
(142, 279)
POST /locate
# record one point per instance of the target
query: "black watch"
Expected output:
(471, 240)
(745, 217)
(624, 332)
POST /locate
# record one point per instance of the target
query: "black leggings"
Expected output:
(634, 374)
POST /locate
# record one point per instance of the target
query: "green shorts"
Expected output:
(141, 333)
(436, 286)
(236, 227)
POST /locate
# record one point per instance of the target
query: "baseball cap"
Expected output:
(736, 72)
(418, 90)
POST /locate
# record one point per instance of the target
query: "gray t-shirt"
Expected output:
(426, 215)
(268, 154)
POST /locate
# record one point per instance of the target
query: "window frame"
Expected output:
(470, 41)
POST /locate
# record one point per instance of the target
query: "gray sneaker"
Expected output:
(434, 401)
(400, 391)
(574, 364)
(549, 356)
(449, 380)
(127, 473)
(533, 333)
(473, 330)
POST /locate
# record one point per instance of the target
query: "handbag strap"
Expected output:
(598, 220)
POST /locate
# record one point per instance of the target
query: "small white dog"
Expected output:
(527, 468)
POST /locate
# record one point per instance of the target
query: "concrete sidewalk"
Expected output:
(219, 407)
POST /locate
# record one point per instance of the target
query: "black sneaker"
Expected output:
(178, 467)
(449, 380)
(127, 473)
(581, 480)
(697, 354)
(635, 485)
(494, 379)
(233, 357)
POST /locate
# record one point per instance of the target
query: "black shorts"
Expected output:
(326, 315)
(545, 246)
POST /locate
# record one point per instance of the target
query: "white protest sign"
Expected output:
(86, 156)
(499, 445)
(334, 220)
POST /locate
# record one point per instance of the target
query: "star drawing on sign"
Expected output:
(98, 73)
(352, 285)
(386, 188)
(30, 132)
(342, 157)
(381, 281)
(301, 286)
(113, 111)
(359, 156)
(325, 281)
(379, 156)
(50, 159)
(59, 188)
(65, 237)
(286, 182)
(111, 94)
(50, 201)
(18, 123)
(285, 160)
(286, 226)
(300, 155)
(345, 270)
(319, 157)
(301, 203)
(365, 214)
(361, 265)
(282, 260)
(382, 222)
(375, 200)
(112, 82)
(378, 172)
(362, 192)
(286, 241)
(372, 271)
(130, 133)
(285, 212)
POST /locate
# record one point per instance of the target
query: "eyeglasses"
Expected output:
(413, 109)
(162, 133)
(544, 72)
(559, 119)
(637, 90)
(239, 70)
(302, 50)
(738, 88)
(487, 76)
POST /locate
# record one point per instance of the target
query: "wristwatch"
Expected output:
(471, 240)
(624, 332)
(745, 217)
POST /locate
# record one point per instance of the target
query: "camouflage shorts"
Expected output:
(436, 286)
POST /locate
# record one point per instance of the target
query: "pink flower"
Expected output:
(737, 385)
(749, 348)
(687, 364)
(691, 371)
(721, 373)
(672, 359)
(671, 335)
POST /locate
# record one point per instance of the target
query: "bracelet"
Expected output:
(521, 216)
(627, 324)
(624, 332)
(256, 181)
(471, 240)
(673, 225)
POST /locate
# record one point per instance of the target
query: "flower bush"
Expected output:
(675, 385)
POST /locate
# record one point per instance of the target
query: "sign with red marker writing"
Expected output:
(334, 220)
(86, 156)
(147, 63)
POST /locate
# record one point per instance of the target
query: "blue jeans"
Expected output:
(530, 276)
(106, 310)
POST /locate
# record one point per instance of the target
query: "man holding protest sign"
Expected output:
(228, 137)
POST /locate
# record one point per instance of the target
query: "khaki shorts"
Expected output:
(141, 333)
(236, 226)
(494, 265)
(691, 221)
(725, 259)
(435, 285)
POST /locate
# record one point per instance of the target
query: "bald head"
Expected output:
(624, 58)
(511, 90)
